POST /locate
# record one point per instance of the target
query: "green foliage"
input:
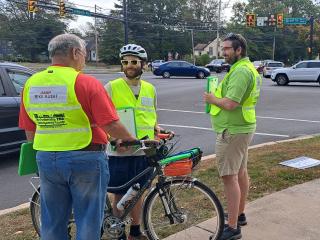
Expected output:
(202, 60)
(291, 41)
(161, 26)
(29, 36)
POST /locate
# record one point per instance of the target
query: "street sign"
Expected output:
(262, 21)
(295, 21)
(81, 12)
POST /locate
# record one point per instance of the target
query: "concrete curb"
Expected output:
(10, 210)
(205, 158)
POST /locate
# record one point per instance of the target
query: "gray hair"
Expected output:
(59, 45)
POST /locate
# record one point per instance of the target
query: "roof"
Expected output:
(10, 64)
(200, 46)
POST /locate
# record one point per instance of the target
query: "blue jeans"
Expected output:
(75, 180)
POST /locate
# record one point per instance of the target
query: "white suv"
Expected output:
(304, 71)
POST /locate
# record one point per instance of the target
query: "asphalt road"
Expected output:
(282, 113)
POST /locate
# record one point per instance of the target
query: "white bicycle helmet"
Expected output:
(133, 50)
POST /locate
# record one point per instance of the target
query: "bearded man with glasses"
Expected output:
(234, 120)
(132, 92)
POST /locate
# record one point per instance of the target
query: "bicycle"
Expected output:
(168, 212)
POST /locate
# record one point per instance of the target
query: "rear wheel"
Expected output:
(36, 216)
(200, 75)
(166, 75)
(282, 80)
(195, 212)
(35, 211)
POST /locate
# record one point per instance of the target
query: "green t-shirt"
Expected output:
(236, 87)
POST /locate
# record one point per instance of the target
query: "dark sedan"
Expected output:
(12, 79)
(181, 68)
(218, 65)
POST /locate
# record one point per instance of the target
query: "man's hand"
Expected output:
(209, 98)
(120, 149)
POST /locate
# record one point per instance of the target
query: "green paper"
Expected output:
(27, 160)
(212, 84)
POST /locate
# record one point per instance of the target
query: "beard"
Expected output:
(132, 73)
(231, 59)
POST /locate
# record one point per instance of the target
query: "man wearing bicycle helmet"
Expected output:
(132, 92)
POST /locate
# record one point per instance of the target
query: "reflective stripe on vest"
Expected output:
(51, 102)
(248, 107)
(145, 114)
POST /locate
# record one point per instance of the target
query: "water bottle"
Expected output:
(131, 193)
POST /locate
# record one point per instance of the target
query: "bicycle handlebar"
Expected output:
(147, 143)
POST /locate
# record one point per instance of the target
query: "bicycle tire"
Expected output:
(210, 222)
(35, 211)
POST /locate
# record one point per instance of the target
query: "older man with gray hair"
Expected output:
(68, 115)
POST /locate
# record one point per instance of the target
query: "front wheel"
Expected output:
(282, 80)
(166, 75)
(183, 209)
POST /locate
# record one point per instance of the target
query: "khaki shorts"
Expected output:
(232, 152)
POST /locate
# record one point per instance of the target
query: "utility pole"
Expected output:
(218, 30)
(274, 43)
(125, 16)
(193, 57)
(311, 37)
(96, 33)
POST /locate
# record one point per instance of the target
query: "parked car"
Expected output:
(303, 71)
(258, 65)
(156, 63)
(271, 66)
(12, 80)
(181, 68)
(218, 65)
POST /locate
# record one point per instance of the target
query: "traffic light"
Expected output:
(32, 6)
(280, 20)
(62, 8)
(251, 20)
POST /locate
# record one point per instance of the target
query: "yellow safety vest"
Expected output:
(144, 109)
(248, 107)
(51, 102)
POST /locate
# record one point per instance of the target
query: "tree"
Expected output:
(163, 26)
(291, 41)
(29, 36)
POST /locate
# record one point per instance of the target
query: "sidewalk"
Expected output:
(291, 214)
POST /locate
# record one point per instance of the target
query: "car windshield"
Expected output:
(257, 63)
(275, 65)
(217, 61)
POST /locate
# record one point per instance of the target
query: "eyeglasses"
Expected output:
(132, 62)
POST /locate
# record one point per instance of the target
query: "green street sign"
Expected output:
(295, 21)
(81, 12)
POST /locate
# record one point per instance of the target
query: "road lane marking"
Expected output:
(210, 129)
(275, 118)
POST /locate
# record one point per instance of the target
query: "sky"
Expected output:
(109, 4)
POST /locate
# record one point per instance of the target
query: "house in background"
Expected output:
(209, 48)
(91, 49)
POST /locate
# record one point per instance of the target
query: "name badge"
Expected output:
(145, 101)
(48, 94)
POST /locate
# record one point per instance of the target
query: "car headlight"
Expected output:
(207, 69)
